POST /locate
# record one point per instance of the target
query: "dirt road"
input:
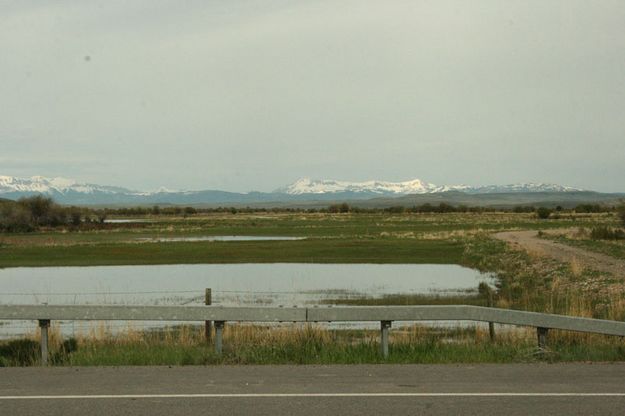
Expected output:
(530, 242)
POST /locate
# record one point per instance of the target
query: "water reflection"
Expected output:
(232, 284)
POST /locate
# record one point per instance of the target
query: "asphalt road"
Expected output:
(511, 389)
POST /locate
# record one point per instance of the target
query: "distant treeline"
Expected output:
(33, 213)
(346, 208)
(444, 208)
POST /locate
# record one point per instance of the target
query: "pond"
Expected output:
(275, 284)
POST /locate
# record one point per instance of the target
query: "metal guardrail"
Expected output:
(383, 314)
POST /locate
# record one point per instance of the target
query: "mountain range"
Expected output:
(303, 192)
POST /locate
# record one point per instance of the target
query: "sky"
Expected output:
(252, 95)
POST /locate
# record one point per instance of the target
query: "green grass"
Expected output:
(332, 238)
(317, 353)
(614, 248)
(408, 299)
(303, 251)
(423, 352)
(310, 345)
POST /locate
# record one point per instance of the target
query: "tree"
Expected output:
(15, 218)
(102, 216)
(75, 216)
(339, 208)
(39, 207)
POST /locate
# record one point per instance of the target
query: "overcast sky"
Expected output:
(246, 95)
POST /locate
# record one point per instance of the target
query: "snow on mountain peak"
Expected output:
(322, 186)
(70, 190)
(49, 186)
(415, 186)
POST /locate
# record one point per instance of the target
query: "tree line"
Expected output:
(32, 213)
(36, 212)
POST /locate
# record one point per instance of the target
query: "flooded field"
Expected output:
(231, 284)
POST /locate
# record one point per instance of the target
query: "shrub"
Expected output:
(543, 213)
(339, 208)
(620, 210)
(21, 352)
(606, 233)
(67, 348)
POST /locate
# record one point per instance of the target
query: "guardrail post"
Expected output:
(384, 327)
(542, 337)
(485, 290)
(44, 324)
(208, 326)
(219, 331)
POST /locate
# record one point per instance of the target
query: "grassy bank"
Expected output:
(314, 345)
(614, 248)
(529, 281)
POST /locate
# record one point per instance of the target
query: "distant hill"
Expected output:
(309, 193)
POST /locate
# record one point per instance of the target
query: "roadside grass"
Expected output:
(310, 344)
(614, 248)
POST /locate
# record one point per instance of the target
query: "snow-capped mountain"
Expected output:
(69, 191)
(51, 186)
(309, 186)
(416, 186)
(522, 187)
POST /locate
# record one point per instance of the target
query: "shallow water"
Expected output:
(232, 284)
(125, 221)
(219, 238)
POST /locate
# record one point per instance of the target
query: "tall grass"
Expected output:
(538, 283)
(313, 344)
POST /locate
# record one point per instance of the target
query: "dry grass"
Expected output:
(577, 267)
(315, 344)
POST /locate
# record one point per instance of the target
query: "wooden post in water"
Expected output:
(208, 326)
(44, 324)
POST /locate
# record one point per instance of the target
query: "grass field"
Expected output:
(314, 250)
(338, 238)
